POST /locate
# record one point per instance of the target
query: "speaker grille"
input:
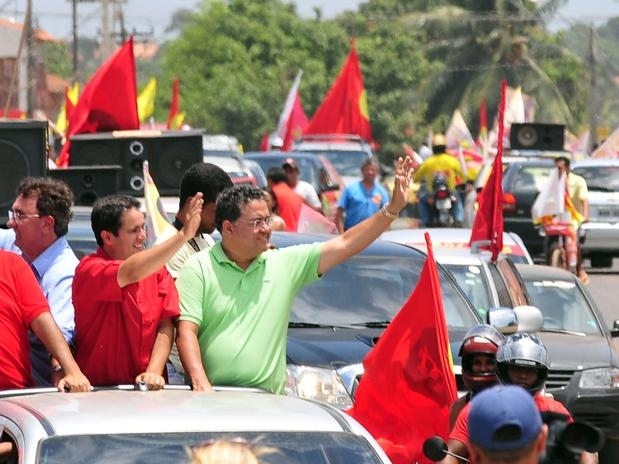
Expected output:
(23, 152)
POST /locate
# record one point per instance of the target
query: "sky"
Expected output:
(154, 15)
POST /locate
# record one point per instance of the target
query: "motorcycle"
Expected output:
(441, 203)
(561, 247)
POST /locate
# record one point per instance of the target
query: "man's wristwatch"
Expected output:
(56, 368)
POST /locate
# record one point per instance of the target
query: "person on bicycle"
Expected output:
(579, 196)
(439, 164)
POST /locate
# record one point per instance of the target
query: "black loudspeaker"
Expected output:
(169, 154)
(23, 152)
(89, 182)
(534, 136)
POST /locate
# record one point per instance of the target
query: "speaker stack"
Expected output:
(169, 154)
(89, 182)
(24, 152)
(536, 136)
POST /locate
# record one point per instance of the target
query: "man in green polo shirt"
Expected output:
(237, 296)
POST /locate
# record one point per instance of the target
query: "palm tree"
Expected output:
(481, 42)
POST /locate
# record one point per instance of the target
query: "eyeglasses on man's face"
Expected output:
(260, 223)
(18, 216)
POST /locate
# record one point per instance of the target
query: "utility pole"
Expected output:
(31, 75)
(593, 104)
(107, 43)
(75, 39)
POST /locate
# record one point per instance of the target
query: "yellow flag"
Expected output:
(72, 93)
(156, 218)
(146, 100)
(178, 120)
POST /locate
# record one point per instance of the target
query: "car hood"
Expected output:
(330, 348)
(333, 348)
(575, 352)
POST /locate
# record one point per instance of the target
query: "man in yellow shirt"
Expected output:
(443, 164)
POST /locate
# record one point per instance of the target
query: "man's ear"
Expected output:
(542, 439)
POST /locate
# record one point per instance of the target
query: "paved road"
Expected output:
(604, 287)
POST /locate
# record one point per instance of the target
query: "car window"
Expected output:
(347, 163)
(307, 169)
(600, 178)
(530, 178)
(563, 305)
(513, 282)
(381, 286)
(472, 281)
(142, 448)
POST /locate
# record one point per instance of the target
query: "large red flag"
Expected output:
(408, 385)
(488, 224)
(108, 101)
(345, 108)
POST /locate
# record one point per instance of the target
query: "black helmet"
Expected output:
(523, 350)
(481, 339)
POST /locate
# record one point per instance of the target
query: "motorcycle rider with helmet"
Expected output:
(478, 353)
(446, 168)
(522, 359)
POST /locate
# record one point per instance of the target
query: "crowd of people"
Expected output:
(189, 310)
(115, 316)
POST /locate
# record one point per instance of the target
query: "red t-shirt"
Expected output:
(21, 302)
(289, 205)
(116, 328)
(544, 403)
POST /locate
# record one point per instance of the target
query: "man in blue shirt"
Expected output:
(362, 198)
(40, 218)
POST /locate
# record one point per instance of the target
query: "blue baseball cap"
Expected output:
(503, 418)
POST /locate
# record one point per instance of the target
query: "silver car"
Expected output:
(601, 232)
(129, 426)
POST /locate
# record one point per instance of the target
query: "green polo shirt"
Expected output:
(242, 315)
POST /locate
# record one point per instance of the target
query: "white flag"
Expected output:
(551, 198)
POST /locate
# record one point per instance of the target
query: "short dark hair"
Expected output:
(231, 200)
(276, 175)
(54, 198)
(107, 212)
(207, 178)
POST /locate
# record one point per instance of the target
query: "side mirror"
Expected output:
(530, 318)
(503, 319)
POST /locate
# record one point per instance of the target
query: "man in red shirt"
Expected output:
(124, 298)
(289, 204)
(23, 306)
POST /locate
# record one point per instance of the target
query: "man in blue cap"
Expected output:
(505, 425)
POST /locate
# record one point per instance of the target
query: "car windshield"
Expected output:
(563, 305)
(600, 178)
(307, 170)
(471, 280)
(347, 163)
(379, 286)
(531, 178)
(164, 448)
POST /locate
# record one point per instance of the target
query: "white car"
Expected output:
(129, 426)
(601, 232)
(456, 238)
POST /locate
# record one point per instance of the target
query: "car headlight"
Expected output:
(316, 384)
(603, 377)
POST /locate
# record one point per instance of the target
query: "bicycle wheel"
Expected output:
(556, 256)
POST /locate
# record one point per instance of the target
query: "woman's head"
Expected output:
(228, 451)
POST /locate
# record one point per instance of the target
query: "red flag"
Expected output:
(297, 122)
(408, 385)
(345, 108)
(108, 101)
(488, 224)
(175, 117)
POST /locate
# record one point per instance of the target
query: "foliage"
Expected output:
(421, 59)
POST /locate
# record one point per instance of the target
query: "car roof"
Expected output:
(596, 162)
(539, 271)
(175, 410)
(452, 243)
